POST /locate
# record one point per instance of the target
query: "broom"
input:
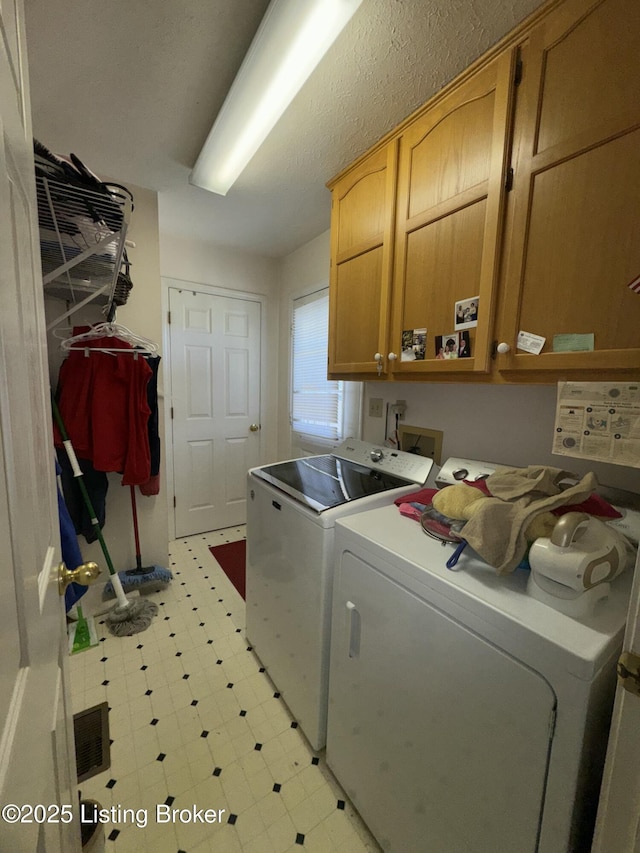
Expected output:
(127, 617)
(142, 576)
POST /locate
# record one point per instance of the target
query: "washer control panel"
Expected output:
(456, 469)
(378, 457)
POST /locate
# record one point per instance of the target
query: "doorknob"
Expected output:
(254, 427)
(84, 574)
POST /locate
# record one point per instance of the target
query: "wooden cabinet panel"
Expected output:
(452, 165)
(357, 288)
(573, 228)
(363, 201)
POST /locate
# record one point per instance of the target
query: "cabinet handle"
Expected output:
(503, 347)
(354, 630)
(392, 356)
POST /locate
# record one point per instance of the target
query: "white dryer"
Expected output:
(464, 716)
(292, 509)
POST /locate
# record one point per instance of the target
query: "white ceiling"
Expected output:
(133, 86)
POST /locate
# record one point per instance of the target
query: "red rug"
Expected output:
(232, 557)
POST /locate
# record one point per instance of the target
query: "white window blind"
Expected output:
(317, 403)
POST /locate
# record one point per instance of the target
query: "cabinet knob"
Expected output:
(503, 347)
(378, 357)
(392, 356)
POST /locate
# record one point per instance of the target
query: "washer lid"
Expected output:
(323, 482)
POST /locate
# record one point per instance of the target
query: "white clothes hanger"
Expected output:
(109, 330)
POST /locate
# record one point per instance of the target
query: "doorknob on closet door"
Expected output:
(254, 427)
(84, 574)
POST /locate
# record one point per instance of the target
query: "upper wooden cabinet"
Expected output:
(451, 185)
(518, 184)
(572, 241)
(361, 256)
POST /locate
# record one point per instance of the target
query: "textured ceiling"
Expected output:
(133, 86)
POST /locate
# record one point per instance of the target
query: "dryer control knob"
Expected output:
(376, 455)
(460, 474)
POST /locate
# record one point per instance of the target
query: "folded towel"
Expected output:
(497, 529)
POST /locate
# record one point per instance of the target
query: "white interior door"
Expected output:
(215, 399)
(36, 736)
(618, 823)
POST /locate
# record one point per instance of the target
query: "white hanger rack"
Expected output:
(142, 346)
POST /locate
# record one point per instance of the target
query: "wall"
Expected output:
(141, 314)
(508, 424)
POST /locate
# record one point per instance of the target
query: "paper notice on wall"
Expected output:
(599, 421)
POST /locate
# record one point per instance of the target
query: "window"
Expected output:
(321, 408)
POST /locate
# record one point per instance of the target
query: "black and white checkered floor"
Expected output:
(195, 723)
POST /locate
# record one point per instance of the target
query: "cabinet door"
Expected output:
(573, 230)
(361, 249)
(451, 176)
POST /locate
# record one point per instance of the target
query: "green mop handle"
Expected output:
(77, 473)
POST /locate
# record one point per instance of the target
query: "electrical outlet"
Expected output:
(375, 407)
(399, 408)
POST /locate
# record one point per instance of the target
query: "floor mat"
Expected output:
(232, 558)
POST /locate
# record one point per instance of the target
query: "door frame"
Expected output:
(267, 408)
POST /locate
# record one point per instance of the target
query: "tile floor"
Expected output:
(194, 722)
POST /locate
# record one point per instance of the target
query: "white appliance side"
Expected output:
(440, 739)
(288, 594)
(289, 586)
(577, 659)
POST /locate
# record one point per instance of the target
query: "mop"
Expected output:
(154, 577)
(127, 617)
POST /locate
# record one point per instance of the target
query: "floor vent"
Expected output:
(91, 730)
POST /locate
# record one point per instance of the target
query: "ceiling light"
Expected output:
(292, 39)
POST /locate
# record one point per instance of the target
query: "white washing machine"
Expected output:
(292, 509)
(464, 716)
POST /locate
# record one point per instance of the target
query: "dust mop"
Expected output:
(127, 617)
(142, 577)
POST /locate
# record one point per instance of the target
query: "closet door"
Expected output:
(449, 218)
(573, 234)
(215, 399)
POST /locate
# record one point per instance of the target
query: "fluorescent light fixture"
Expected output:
(292, 39)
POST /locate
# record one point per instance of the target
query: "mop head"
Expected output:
(136, 616)
(149, 579)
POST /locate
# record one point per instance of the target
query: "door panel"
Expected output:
(451, 171)
(36, 748)
(215, 387)
(574, 220)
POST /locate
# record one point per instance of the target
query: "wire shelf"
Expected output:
(82, 234)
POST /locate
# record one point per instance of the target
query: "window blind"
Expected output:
(317, 403)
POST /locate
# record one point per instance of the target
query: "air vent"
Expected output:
(91, 731)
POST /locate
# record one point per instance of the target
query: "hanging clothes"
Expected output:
(103, 401)
(96, 484)
(152, 486)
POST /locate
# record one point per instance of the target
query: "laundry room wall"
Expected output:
(508, 424)
(143, 315)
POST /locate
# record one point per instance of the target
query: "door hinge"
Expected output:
(508, 184)
(174, 501)
(169, 318)
(517, 77)
(629, 672)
